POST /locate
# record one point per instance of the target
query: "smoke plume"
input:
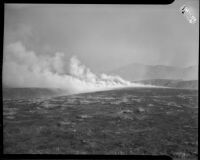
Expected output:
(23, 68)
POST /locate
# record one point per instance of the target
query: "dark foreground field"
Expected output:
(127, 121)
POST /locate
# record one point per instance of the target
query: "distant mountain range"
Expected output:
(136, 71)
(192, 84)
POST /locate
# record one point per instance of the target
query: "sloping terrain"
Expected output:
(143, 121)
(24, 93)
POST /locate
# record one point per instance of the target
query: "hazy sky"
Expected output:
(105, 37)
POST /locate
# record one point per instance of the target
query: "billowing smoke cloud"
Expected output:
(22, 68)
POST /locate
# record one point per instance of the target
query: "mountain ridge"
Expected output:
(191, 84)
(138, 71)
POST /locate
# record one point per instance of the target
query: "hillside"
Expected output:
(23, 93)
(129, 121)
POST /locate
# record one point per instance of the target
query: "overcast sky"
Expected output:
(105, 37)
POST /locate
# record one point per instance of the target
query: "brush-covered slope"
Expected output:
(23, 93)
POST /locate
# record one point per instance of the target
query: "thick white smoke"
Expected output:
(22, 68)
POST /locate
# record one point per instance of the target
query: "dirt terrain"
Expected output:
(154, 121)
